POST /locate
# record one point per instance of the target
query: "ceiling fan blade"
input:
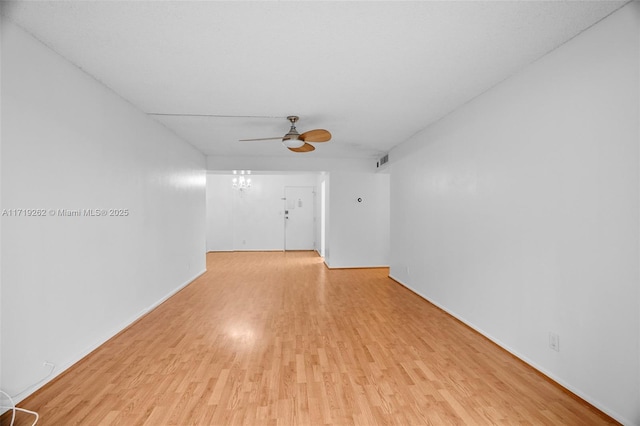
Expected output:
(260, 139)
(317, 135)
(304, 148)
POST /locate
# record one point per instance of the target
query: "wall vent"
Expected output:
(383, 160)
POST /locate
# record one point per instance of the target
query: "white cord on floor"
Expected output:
(13, 409)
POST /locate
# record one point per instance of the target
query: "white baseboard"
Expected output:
(100, 341)
(358, 267)
(523, 358)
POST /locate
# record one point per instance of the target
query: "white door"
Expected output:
(299, 218)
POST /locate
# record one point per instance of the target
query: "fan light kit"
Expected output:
(297, 142)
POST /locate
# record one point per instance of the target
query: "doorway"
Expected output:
(299, 214)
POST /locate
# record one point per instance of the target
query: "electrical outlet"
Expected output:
(554, 341)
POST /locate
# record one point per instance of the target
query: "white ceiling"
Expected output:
(372, 73)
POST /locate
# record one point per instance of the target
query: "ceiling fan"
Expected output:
(297, 142)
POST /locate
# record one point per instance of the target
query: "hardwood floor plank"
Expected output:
(278, 339)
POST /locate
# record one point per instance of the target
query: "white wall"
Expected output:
(252, 219)
(70, 283)
(519, 213)
(321, 213)
(220, 201)
(358, 234)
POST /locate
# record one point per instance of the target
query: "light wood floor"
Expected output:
(277, 339)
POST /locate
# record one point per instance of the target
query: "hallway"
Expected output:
(276, 338)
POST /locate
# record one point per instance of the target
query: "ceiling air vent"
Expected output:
(383, 160)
